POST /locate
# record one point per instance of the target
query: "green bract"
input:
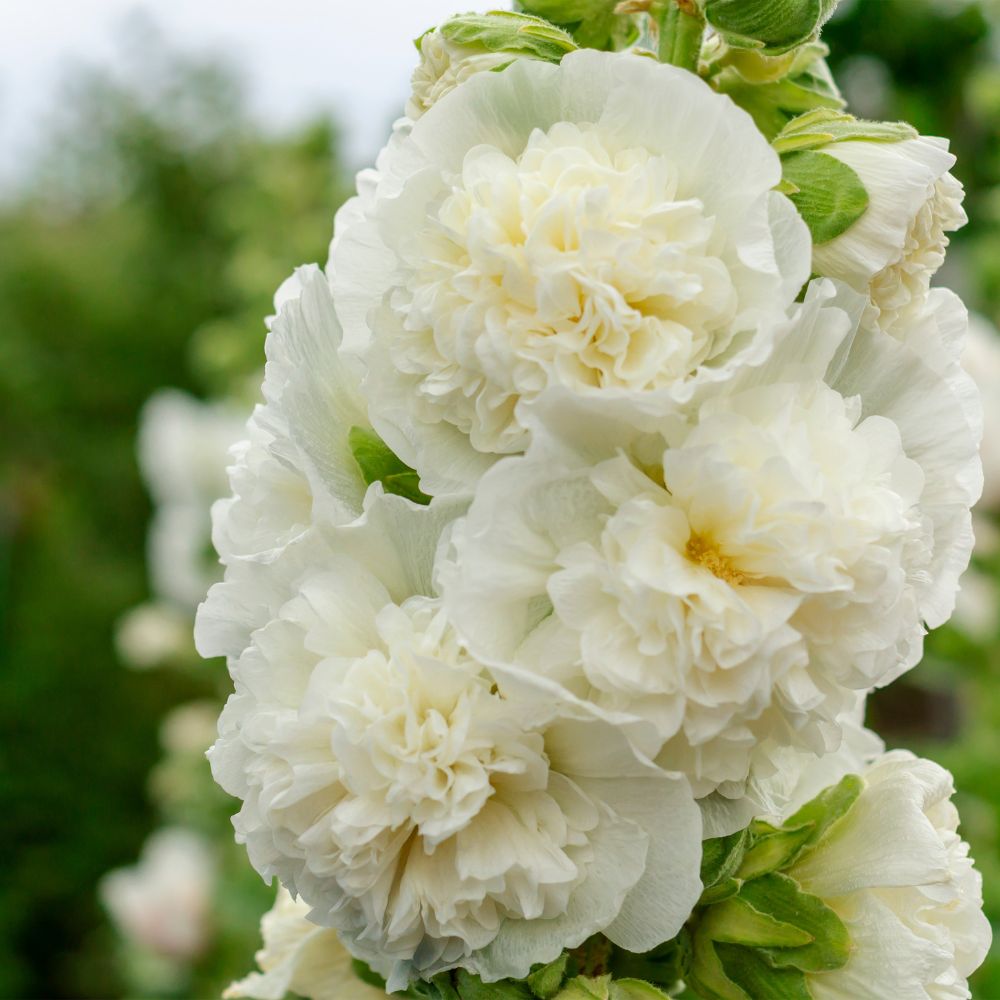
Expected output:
(829, 195)
(772, 25)
(379, 465)
(824, 126)
(604, 988)
(755, 932)
(504, 31)
(593, 23)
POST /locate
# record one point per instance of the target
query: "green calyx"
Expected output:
(378, 464)
(773, 26)
(505, 31)
(755, 932)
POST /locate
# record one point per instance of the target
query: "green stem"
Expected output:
(681, 29)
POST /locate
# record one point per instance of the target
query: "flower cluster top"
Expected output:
(621, 448)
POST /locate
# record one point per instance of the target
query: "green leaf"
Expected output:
(445, 988)
(471, 987)
(720, 891)
(545, 982)
(782, 899)
(505, 31)
(379, 465)
(773, 849)
(830, 806)
(721, 857)
(773, 25)
(751, 972)
(831, 197)
(823, 126)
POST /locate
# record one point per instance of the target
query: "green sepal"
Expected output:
(830, 196)
(663, 966)
(750, 971)
(737, 921)
(545, 982)
(827, 808)
(773, 849)
(721, 857)
(720, 891)
(506, 31)
(604, 988)
(781, 898)
(470, 987)
(707, 976)
(378, 464)
(776, 26)
(594, 24)
(824, 126)
(366, 974)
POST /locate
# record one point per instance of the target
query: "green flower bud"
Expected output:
(776, 26)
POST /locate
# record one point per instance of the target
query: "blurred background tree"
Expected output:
(144, 251)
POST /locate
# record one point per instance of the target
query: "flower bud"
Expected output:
(299, 956)
(895, 244)
(772, 25)
(476, 43)
(867, 891)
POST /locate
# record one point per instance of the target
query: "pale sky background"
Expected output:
(299, 56)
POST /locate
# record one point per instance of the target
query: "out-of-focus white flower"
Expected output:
(189, 728)
(443, 66)
(293, 473)
(163, 904)
(981, 359)
(735, 579)
(897, 873)
(151, 634)
(895, 248)
(183, 447)
(434, 814)
(302, 958)
(541, 227)
(977, 610)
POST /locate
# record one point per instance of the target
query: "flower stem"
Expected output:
(681, 29)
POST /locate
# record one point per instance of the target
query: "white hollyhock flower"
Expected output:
(153, 633)
(293, 474)
(443, 66)
(739, 576)
(897, 873)
(541, 227)
(183, 444)
(892, 252)
(981, 359)
(432, 817)
(302, 958)
(164, 903)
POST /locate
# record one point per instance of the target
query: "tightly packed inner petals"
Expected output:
(571, 263)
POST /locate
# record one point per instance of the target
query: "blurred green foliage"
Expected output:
(144, 252)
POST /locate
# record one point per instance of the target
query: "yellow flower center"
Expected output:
(706, 553)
